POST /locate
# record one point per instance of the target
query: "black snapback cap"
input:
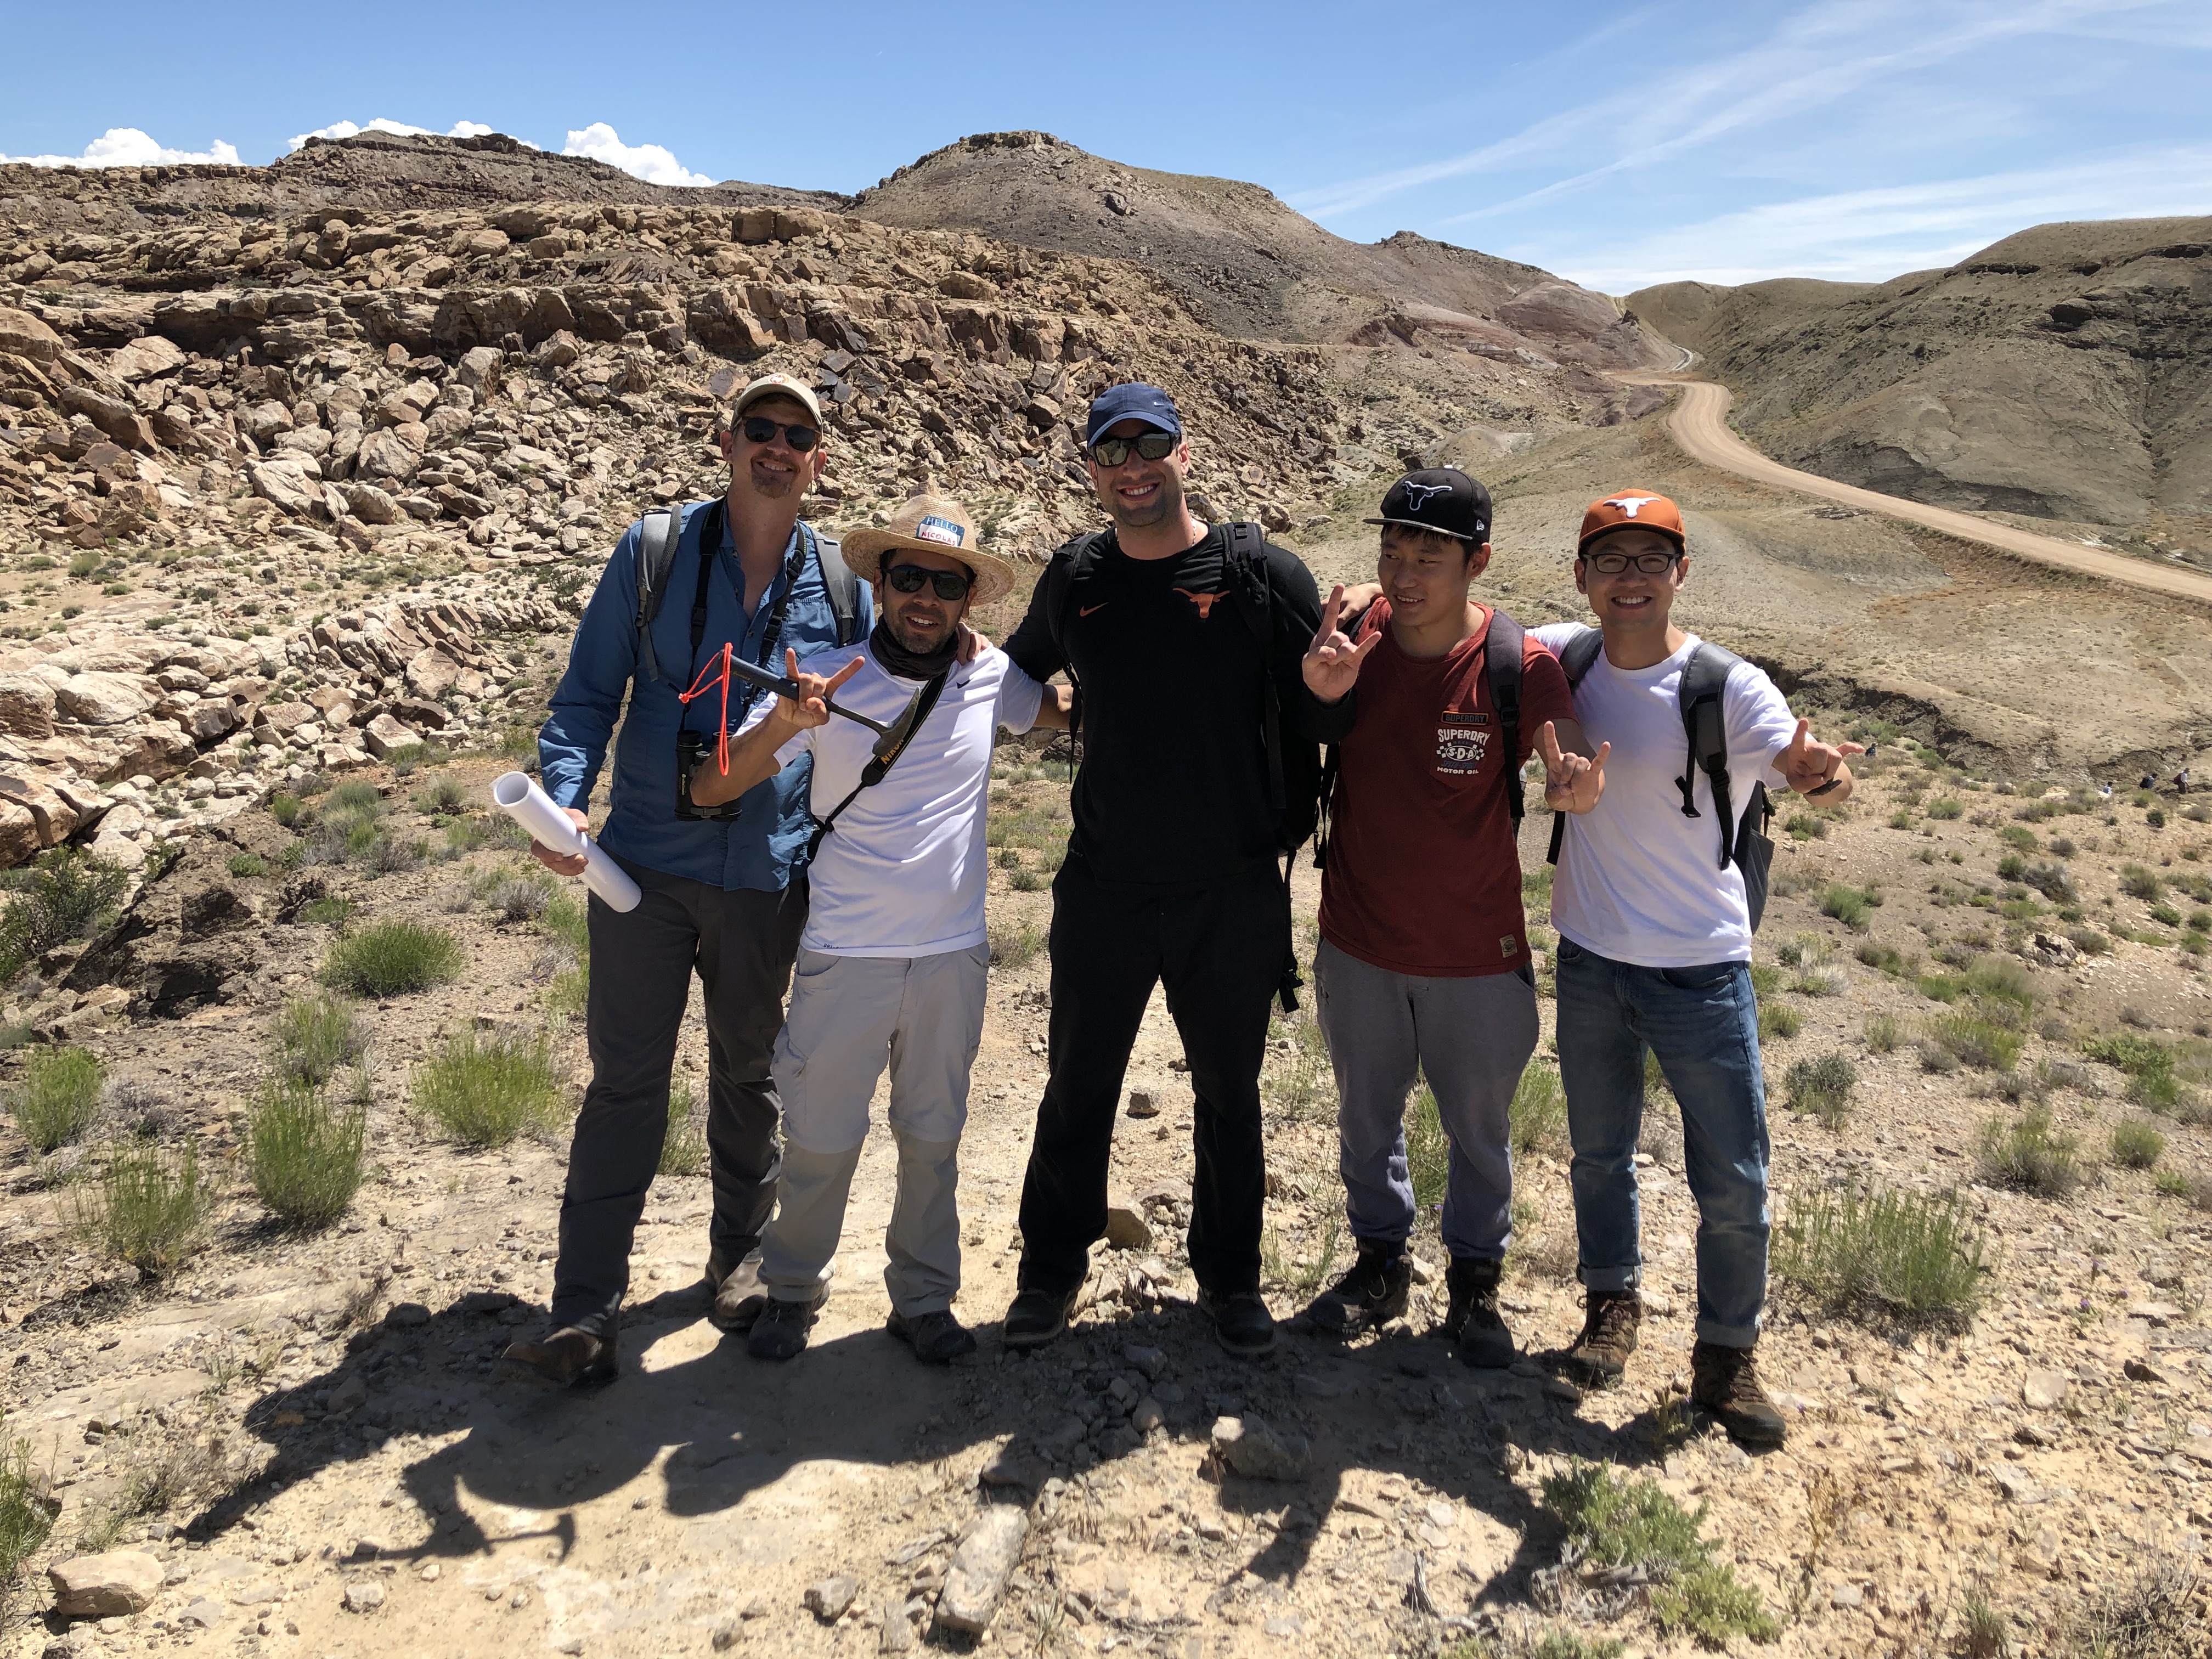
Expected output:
(1439, 498)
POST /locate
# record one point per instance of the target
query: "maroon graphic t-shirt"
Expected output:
(1423, 875)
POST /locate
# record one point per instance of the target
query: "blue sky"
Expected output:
(1619, 144)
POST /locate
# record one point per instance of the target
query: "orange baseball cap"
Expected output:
(1630, 509)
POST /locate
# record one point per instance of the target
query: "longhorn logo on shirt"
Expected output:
(1203, 601)
(1418, 495)
(1631, 504)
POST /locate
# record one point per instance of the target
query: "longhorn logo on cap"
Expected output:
(1631, 504)
(1418, 496)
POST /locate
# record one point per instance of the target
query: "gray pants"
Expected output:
(1470, 1038)
(741, 944)
(849, 1016)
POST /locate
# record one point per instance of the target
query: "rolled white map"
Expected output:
(514, 794)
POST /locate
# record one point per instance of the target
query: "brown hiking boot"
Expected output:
(566, 1358)
(738, 1297)
(1608, 1337)
(1725, 1382)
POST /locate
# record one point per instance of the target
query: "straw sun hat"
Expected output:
(931, 524)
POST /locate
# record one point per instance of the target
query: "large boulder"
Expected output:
(431, 673)
(98, 699)
(113, 1585)
(22, 334)
(286, 483)
(143, 360)
(125, 424)
(27, 706)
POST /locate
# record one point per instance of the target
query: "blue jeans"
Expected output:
(1703, 1024)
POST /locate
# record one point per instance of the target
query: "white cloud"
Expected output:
(654, 163)
(398, 129)
(1871, 235)
(127, 147)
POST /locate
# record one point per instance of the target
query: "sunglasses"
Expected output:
(759, 430)
(1153, 446)
(947, 585)
(1611, 565)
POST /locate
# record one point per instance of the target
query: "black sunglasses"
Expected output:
(947, 585)
(759, 430)
(1153, 446)
(1611, 565)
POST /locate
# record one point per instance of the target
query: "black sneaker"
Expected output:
(781, 1331)
(1242, 1324)
(937, 1339)
(1371, 1294)
(1036, 1317)
(1473, 1320)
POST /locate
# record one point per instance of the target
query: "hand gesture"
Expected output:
(812, 707)
(561, 864)
(1331, 664)
(1807, 766)
(1572, 783)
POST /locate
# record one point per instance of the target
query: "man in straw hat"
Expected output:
(724, 896)
(891, 965)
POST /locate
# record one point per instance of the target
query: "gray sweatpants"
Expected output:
(849, 1016)
(1470, 1038)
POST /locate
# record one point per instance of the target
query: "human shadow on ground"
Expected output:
(720, 1426)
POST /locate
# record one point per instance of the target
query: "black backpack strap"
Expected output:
(1501, 652)
(1244, 570)
(1064, 578)
(879, 766)
(1704, 723)
(1575, 660)
(842, 586)
(658, 534)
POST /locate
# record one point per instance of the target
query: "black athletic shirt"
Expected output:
(1173, 789)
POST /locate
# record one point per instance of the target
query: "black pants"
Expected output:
(741, 944)
(1221, 951)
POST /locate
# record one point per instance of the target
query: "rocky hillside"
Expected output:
(2065, 371)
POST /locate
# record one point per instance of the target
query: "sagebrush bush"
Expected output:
(59, 1097)
(304, 1154)
(1538, 1117)
(1977, 1041)
(2136, 1144)
(1015, 945)
(316, 1035)
(393, 958)
(65, 893)
(1611, 1522)
(24, 1519)
(147, 1207)
(2030, 1156)
(1849, 905)
(445, 794)
(1778, 1020)
(1883, 1033)
(1822, 1085)
(1883, 1248)
(2136, 882)
(485, 1089)
(683, 1148)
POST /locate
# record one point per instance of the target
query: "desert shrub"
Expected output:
(59, 1096)
(284, 808)
(247, 864)
(1822, 1085)
(303, 1154)
(485, 1089)
(1025, 880)
(2051, 881)
(2088, 941)
(683, 1148)
(24, 1519)
(2155, 818)
(1882, 1033)
(355, 795)
(464, 836)
(1807, 826)
(2030, 1155)
(388, 855)
(1946, 988)
(1944, 806)
(2062, 847)
(1888, 959)
(146, 1207)
(1871, 1249)
(2157, 1611)
(1538, 1113)
(315, 1035)
(1765, 980)
(2166, 916)
(1428, 1152)
(1015, 945)
(2136, 882)
(65, 893)
(1982, 1042)
(567, 919)
(520, 899)
(2136, 1144)
(1806, 950)
(393, 958)
(2002, 979)
(1778, 1020)
(444, 795)
(1613, 1522)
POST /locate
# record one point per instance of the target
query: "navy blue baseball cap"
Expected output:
(1133, 402)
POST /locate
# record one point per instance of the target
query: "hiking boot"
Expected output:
(1036, 1317)
(1601, 1353)
(1369, 1295)
(1242, 1324)
(566, 1358)
(1472, 1319)
(937, 1339)
(738, 1297)
(1725, 1382)
(780, 1331)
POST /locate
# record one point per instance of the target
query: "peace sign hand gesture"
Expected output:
(1572, 783)
(1808, 766)
(1331, 664)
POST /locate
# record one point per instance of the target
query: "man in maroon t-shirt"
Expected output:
(1424, 966)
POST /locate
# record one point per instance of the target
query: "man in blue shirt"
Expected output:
(724, 896)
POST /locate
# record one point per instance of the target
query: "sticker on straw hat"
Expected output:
(934, 529)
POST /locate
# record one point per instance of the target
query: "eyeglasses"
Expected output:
(1611, 565)
(1153, 446)
(759, 430)
(947, 585)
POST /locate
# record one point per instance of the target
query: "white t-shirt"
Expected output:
(1638, 881)
(903, 873)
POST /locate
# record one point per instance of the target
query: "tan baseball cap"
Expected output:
(776, 385)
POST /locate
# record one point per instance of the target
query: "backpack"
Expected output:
(658, 533)
(1502, 648)
(1743, 841)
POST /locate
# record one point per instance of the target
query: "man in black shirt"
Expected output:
(1172, 638)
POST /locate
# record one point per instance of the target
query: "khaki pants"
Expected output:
(850, 1016)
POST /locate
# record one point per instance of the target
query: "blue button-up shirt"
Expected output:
(764, 844)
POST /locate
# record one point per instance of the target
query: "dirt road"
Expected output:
(1699, 423)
